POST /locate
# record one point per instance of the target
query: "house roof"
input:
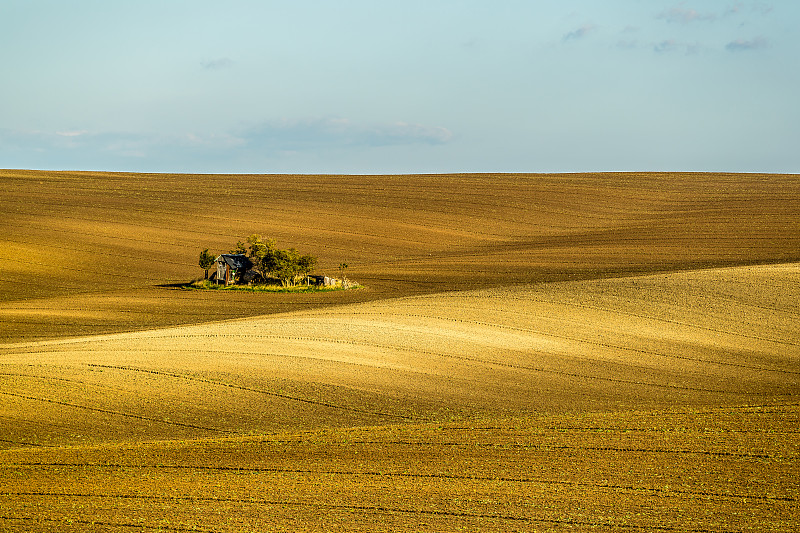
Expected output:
(237, 261)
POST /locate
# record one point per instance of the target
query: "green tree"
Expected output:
(287, 266)
(306, 264)
(240, 249)
(262, 253)
(206, 261)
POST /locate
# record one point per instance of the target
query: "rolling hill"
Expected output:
(122, 239)
(531, 352)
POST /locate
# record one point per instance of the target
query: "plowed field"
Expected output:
(614, 352)
(88, 253)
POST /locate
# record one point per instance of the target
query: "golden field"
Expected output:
(530, 353)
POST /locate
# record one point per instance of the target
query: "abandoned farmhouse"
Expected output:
(239, 269)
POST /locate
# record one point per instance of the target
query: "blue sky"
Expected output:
(400, 87)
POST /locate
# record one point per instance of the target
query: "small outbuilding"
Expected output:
(323, 281)
(231, 266)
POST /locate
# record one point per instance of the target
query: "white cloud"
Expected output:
(307, 138)
(683, 15)
(672, 45)
(580, 33)
(405, 133)
(744, 45)
(686, 15)
(218, 64)
(628, 45)
(213, 140)
(668, 45)
(75, 133)
(337, 132)
(762, 7)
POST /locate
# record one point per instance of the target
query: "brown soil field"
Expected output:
(732, 469)
(614, 352)
(86, 253)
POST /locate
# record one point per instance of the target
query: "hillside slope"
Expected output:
(85, 253)
(666, 402)
(712, 337)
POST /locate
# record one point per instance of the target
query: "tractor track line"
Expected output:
(102, 523)
(517, 367)
(116, 413)
(505, 479)
(448, 356)
(586, 341)
(21, 443)
(461, 358)
(258, 391)
(367, 508)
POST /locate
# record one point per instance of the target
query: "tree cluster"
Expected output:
(288, 266)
